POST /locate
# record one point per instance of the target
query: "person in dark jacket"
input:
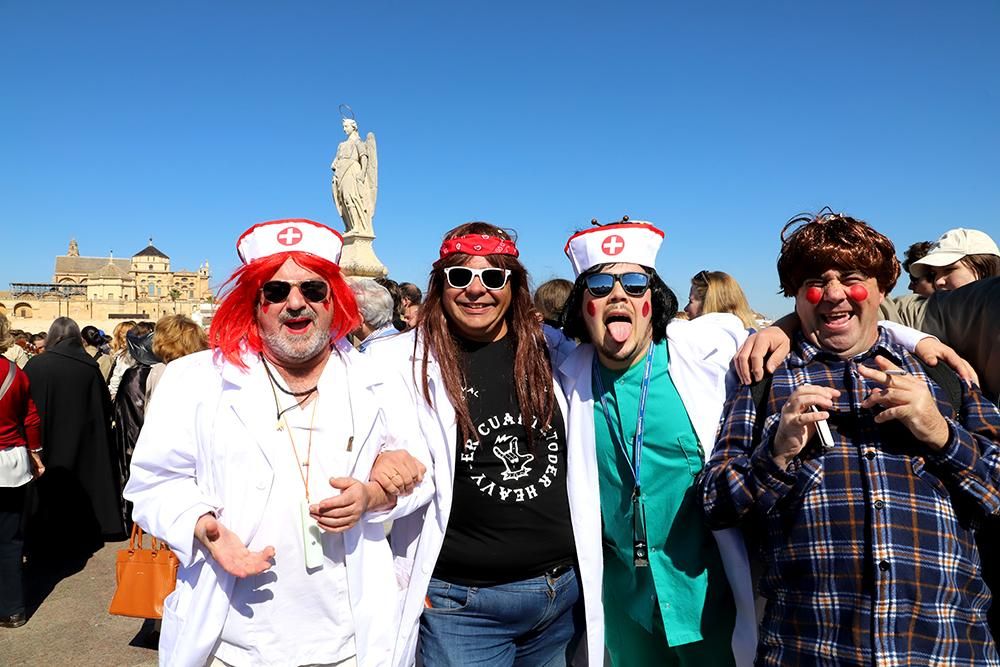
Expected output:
(77, 504)
(130, 401)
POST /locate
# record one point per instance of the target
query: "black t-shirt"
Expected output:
(510, 512)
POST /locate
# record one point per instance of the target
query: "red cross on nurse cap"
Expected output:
(294, 235)
(627, 242)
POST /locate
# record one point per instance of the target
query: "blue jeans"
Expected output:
(532, 623)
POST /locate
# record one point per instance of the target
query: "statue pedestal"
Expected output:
(358, 257)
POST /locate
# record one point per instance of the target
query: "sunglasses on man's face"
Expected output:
(600, 284)
(461, 277)
(277, 291)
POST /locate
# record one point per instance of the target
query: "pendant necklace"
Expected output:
(311, 533)
(276, 387)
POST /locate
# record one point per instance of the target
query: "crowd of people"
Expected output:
(74, 412)
(358, 472)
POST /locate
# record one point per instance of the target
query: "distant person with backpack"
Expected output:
(859, 476)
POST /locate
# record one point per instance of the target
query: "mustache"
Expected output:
(303, 313)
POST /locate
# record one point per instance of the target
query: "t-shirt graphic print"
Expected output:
(510, 512)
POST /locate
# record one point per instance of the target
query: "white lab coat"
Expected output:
(417, 539)
(199, 452)
(700, 354)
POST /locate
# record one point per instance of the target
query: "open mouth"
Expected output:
(837, 320)
(619, 325)
(298, 324)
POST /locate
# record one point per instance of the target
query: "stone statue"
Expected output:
(74, 249)
(355, 180)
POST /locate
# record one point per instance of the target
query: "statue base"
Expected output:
(358, 257)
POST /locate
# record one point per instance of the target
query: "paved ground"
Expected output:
(72, 626)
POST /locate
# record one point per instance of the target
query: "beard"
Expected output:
(296, 349)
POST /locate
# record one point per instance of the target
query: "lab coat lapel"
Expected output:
(251, 398)
(447, 423)
(693, 384)
(349, 389)
(576, 372)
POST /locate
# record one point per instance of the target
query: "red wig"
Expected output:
(234, 327)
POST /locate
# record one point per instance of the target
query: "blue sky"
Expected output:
(190, 121)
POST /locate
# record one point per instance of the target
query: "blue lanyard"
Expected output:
(635, 461)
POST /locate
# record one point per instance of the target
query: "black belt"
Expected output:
(558, 571)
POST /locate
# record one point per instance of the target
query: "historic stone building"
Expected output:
(147, 276)
(100, 290)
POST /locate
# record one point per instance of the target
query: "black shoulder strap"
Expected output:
(760, 391)
(946, 378)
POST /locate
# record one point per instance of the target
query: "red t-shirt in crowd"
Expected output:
(19, 423)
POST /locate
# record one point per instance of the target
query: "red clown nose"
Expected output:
(814, 295)
(858, 293)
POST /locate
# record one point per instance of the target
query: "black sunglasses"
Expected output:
(461, 277)
(600, 284)
(276, 291)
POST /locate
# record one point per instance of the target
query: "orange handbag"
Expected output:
(144, 577)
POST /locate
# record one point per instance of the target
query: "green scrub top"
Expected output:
(685, 579)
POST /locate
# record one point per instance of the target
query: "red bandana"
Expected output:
(479, 244)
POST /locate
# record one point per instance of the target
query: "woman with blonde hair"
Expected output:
(121, 359)
(175, 336)
(718, 292)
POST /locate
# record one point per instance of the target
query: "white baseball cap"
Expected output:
(619, 243)
(953, 246)
(293, 235)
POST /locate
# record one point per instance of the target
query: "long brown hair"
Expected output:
(532, 372)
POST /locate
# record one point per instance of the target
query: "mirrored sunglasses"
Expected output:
(461, 277)
(277, 291)
(600, 284)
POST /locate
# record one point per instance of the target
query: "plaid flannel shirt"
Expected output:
(868, 547)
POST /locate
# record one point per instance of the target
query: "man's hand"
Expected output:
(907, 399)
(775, 340)
(798, 421)
(37, 467)
(397, 472)
(931, 351)
(339, 513)
(228, 549)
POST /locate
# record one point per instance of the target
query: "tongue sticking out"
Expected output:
(620, 331)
